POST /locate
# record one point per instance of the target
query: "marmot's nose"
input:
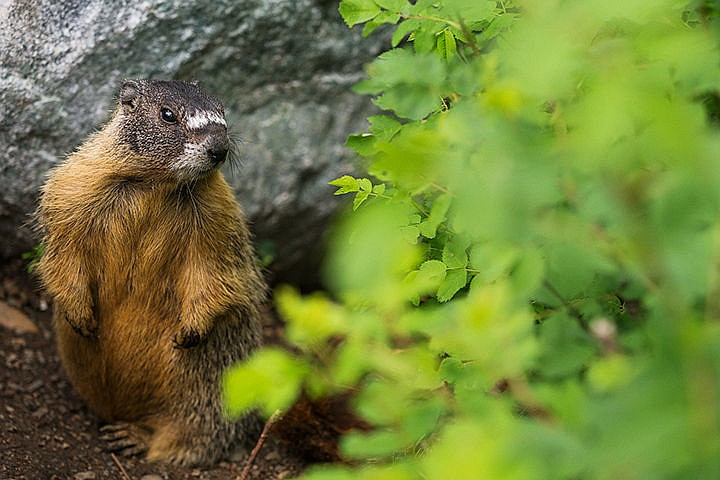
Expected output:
(217, 155)
(217, 151)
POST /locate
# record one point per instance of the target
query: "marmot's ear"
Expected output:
(130, 95)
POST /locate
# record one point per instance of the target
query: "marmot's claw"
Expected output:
(123, 438)
(83, 328)
(113, 431)
(83, 331)
(187, 338)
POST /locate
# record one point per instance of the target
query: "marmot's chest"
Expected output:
(141, 254)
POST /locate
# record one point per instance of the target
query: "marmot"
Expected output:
(155, 285)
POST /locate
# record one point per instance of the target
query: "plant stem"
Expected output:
(246, 471)
(431, 18)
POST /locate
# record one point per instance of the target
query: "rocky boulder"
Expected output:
(283, 68)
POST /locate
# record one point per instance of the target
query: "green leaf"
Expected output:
(454, 252)
(404, 28)
(427, 279)
(572, 268)
(365, 185)
(566, 348)
(364, 263)
(346, 183)
(395, 76)
(329, 472)
(364, 144)
(311, 319)
(365, 189)
(424, 38)
(492, 260)
(421, 7)
(381, 19)
(410, 101)
(384, 127)
(497, 26)
(474, 10)
(446, 46)
(400, 67)
(528, 273)
(451, 284)
(438, 214)
(393, 5)
(270, 379)
(358, 11)
(371, 444)
(433, 269)
(610, 373)
(360, 198)
(410, 233)
(427, 229)
(33, 256)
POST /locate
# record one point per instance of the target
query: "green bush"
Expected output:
(529, 287)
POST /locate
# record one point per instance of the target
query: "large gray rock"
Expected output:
(282, 67)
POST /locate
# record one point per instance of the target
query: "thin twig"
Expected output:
(266, 429)
(117, 462)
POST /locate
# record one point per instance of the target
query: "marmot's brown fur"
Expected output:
(150, 265)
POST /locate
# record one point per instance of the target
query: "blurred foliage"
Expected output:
(32, 257)
(529, 286)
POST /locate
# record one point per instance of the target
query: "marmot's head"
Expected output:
(174, 129)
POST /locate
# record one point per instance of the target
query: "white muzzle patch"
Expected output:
(194, 161)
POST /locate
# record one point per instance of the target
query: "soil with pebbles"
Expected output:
(46, 431)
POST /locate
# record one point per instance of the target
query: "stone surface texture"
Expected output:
(283, 68)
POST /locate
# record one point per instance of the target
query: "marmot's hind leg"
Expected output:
(200, 443)
(167, 441)
(176, 441)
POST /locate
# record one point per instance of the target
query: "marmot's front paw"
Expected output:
(187, 338)
(82, 321)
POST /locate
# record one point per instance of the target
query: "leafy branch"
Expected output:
(534, 243)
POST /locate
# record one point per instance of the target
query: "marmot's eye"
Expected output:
(168, 115)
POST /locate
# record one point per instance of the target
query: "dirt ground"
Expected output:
(47, 433)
